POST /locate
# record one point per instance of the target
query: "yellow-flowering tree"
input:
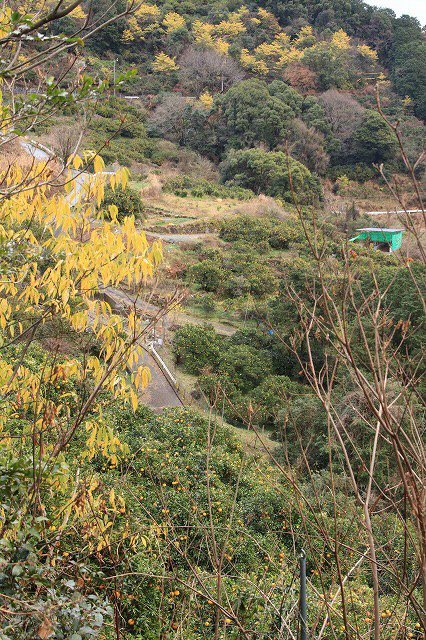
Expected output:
(268, 20)
(173, 21)
(367, 52)
(251, 63)
(62, 256)
(305, 38)
(278, 53)
(164, 63)
(219, 36)
(206, 100)
(341, 39)
(144, 20)
(230, 28)
(202, 32)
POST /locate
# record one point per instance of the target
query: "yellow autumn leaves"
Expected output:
(85, 254)
(97, 513)
(271, 55)
(164, 63)
(278, 53)
(147, 18)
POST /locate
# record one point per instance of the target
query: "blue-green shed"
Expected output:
(386, 240)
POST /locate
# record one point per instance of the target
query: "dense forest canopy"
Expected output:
(398, 42)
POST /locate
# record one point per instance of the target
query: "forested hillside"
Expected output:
(315, 64)
(269, 37)
(209, 365)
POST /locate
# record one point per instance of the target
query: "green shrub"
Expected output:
(196, 347)
(208, 303)
(250, 114)
(358, 172)
(373, 141)
(244, 227)
(286, 234)
(278, 234)
(118, 130)
(159, 151)
(236, 286)
(262, 280)
(208, 274)
(268, 172)
(200, 188)
(127, 201)
(244, 366)
(273, 396)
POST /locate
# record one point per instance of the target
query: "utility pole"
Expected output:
(302, 602)
(113, 74)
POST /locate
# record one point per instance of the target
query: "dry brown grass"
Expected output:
(206, 208)
(192, 164)
(263, 206)
(153, 187)
(12, 154)
(188, 207)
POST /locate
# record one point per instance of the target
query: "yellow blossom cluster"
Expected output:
(142, 21)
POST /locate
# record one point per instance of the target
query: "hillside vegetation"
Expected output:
(201, 376)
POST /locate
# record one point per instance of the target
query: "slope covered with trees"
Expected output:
(257, 135)
(272, 35)
(303, 78)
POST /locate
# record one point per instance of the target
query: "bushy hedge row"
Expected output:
(278, 234)
(199, 188)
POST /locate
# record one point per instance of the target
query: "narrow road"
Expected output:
(159, 394)
(37, 151)
(393, 212)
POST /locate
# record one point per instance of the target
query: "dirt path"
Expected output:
(180, 237)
